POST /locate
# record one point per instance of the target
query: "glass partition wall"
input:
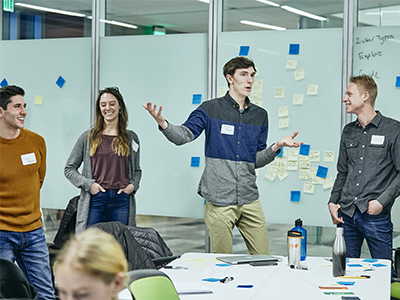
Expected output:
(162, 52)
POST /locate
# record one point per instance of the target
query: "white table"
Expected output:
(276, 282)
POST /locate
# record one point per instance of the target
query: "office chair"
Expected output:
(151, 284)
(13, 283)
(395, 286)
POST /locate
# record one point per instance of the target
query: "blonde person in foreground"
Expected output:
(91, 266)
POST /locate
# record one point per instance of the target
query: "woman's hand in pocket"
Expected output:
(95, 188)
(128, 189)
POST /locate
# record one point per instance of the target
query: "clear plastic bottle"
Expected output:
(298, 227)
(339, 254)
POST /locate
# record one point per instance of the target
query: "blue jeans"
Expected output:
(108, 207)
(30, 251)
(376, 229)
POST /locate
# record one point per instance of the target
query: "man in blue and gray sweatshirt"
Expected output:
(236, 134)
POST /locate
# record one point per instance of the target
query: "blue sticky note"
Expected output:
(244, 50)
(280, 153)
(322, 171)
(223, 265)
(4, 83)
(304, 149)
(354, 265)
(379, 265)
(346, 282)
(60, 81)
(295, 196)
(196, 99)
(212, 279)
(195, 162)
(398, 81)
(294, 49)
(370, 260)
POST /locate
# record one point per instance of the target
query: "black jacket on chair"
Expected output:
(137, 258)
(13, 283)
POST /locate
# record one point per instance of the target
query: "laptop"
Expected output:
(247, 258)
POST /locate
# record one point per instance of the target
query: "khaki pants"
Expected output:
(248, 218)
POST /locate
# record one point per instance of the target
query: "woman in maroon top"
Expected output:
(111, 172)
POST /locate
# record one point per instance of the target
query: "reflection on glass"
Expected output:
(38, 19)
(156, 17)
(245, 15)
(42, 19)
(372, 13)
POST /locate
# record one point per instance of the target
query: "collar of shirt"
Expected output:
(235, 104)
(375, 121)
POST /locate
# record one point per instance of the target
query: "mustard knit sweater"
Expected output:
(22, 171)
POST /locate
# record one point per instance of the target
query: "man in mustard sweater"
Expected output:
(22, 171)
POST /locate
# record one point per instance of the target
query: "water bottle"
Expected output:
(339, 254)
(298, 227)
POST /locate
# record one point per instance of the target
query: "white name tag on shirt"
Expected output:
(227, 129)
(377, 139)
(28, 159)
(135, 146)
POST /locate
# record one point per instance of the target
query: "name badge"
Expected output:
(135, 146)
(227, 129)
(28, 159)
(377, 139)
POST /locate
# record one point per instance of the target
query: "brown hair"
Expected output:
(120, 143)
(366, 83)
(7, 92)
(235, 63)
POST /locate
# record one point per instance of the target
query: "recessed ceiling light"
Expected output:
(303, 13)
(56, 11)
(262, 25)
(267, 2)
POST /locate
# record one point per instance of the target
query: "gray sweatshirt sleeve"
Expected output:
(79, 154)
(179, 135)
(265, 156)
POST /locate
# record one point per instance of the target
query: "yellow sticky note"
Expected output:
(299, 74)
(308, 188)
(222, 90)
(312, 89)
(329, 156)
(283, 111)
(38, 100)
(279, 92)
(283, 122)
(298, 99)
(291, 64)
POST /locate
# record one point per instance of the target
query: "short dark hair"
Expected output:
(235, 63)
(7, 92)
(366, 83)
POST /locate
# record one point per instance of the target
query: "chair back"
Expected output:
(151, 284)
(13, 283)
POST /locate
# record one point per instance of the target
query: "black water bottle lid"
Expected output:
(298, 222)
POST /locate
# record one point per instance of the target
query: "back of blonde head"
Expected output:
(96, 253)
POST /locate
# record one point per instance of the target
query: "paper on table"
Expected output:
(191, 287)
